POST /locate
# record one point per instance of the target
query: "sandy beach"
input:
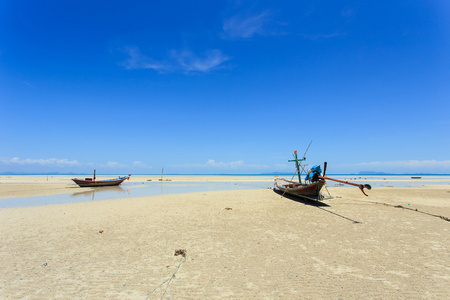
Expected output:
(249, 244)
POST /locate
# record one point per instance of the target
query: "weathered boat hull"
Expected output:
(96, 183)
(299, 189)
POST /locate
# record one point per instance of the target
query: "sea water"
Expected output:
(245, 182)
(130, 190)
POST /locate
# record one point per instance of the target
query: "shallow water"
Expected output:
(141, 189)
(130, 190)
(391, 180)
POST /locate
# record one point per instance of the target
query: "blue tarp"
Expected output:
(314, 170)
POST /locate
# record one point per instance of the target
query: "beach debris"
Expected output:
(101, 231)
(180, 252)
(228, 208)
(45, 264)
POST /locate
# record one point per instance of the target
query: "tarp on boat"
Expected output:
(313, 173)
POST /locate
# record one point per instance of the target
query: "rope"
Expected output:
(287, 188)
(411, 209)
(182, 260)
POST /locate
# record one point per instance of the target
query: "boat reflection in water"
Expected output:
(111, 191)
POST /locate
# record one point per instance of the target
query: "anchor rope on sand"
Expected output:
(411, 209)
(169, 280)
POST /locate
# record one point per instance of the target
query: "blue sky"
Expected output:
(224, 86)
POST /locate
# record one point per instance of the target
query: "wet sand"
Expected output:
(248, 244)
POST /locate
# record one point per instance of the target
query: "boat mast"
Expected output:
(297, 164)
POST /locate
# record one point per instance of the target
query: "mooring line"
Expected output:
(168, 281)
(411, 209)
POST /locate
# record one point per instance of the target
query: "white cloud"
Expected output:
(17, 164)
(406, 166)
(409, 164)
(139, 164)
(240, 26)
(41, 161)
(176, 61)
(320, 35)
(219, 166)
(138, 61)
(223, 165)
(113, 164)
(283, 167)
(188, 61)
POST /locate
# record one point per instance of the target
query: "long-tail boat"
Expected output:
(93, 182)
(313, 183)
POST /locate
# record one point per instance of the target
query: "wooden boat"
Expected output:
(297, 189)
(310, 188)
(313, 183)
(92, 182)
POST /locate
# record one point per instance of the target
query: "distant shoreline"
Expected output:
(231, 174)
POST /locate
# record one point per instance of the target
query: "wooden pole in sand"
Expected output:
(162, 173)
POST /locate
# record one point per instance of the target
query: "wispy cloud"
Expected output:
(242, 26)
(188, 61)
(220, 166)
(410, 164)
(348, 13)
(137, 60)
(223, 165)
(114, 164)
(117, 165)
(41, 161)
(139, 164)
(406, 166)
(176, 61)
(55, 164)
(318, 36)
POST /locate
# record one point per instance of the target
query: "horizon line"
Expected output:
(216, 174)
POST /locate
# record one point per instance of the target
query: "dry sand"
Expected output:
(249, 244)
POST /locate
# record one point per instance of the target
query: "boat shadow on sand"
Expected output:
(305, 201)
(316, 203)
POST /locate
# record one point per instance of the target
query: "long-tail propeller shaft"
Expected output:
(361, 186)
